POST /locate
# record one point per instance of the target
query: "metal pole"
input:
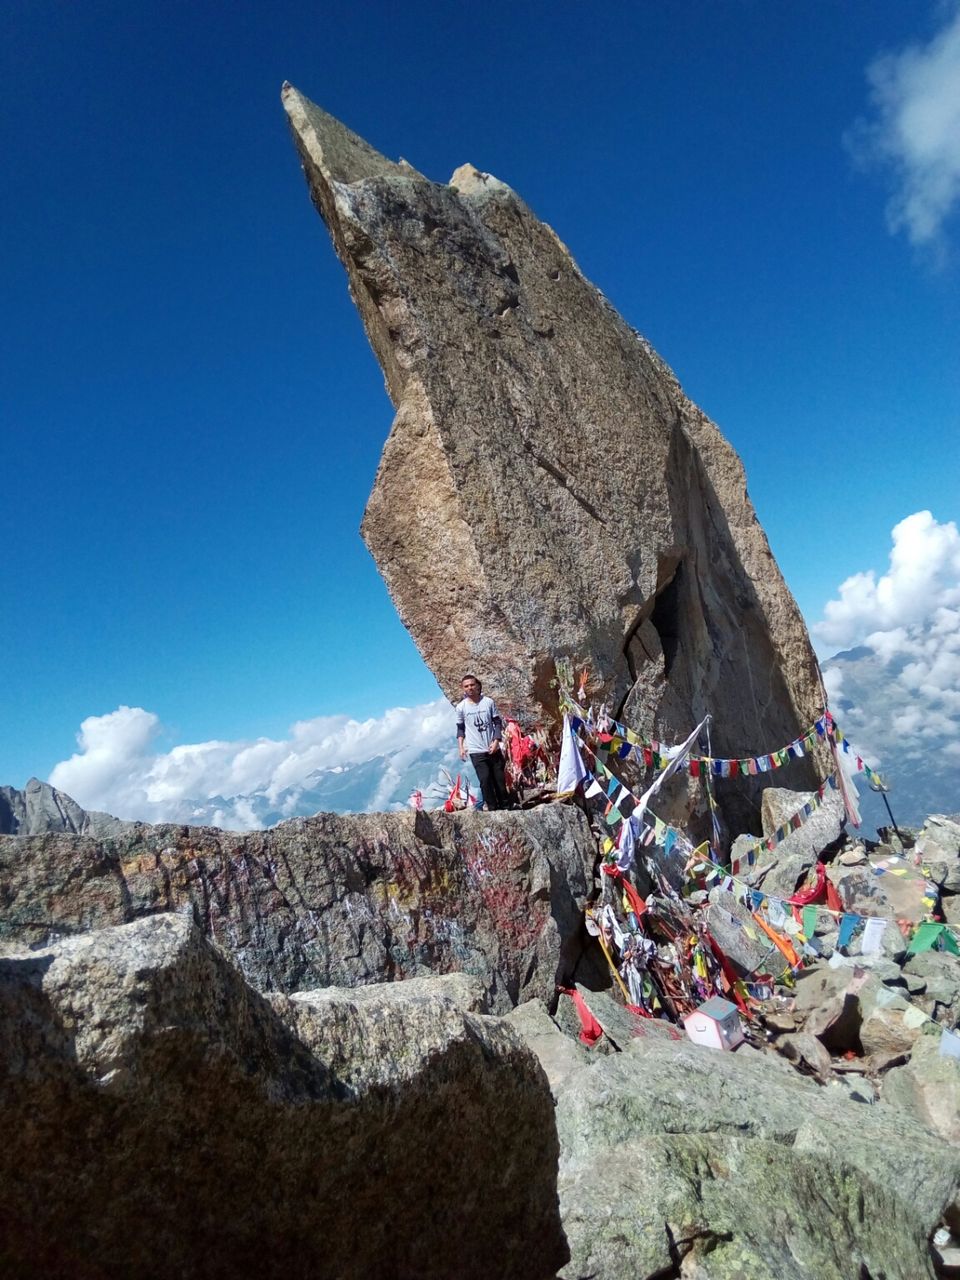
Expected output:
(893, 821)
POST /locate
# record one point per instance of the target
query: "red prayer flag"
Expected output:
(590, 1028)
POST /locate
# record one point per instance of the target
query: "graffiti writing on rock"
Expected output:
(497, 869)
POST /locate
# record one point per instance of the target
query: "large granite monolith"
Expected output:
(546, 488)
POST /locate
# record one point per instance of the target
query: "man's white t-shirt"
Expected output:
(479, 723)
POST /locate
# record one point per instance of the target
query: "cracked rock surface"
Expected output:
(335, 900)
(681, 1161)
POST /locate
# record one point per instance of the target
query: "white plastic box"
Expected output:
(715, 1024)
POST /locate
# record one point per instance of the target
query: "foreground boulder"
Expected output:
(334, 900)
(938, 845)
(163, 1119)
(677, 1160)
(547, 489)
(928, 1088)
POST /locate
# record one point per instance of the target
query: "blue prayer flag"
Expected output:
(848, 924)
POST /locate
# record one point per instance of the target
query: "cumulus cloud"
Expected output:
(115, 750)
(117, 767)
(896, 685)
(922, 585)
(915, 130)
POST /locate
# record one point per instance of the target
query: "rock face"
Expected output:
(678, 1160)
(39, 808)
(335, 900)
(163, 1119)
(547, 489)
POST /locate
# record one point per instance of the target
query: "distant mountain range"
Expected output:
(381, 783)
(912, 731)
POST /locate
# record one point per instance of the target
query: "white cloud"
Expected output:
(114, 753)
(915, 132)
(923, 579)
(118, 770)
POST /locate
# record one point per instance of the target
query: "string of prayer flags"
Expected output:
(621, 808)
(622, 741)
(668, 836)
(834, 731)
(927, 933)
(629, 802)
(793, 823)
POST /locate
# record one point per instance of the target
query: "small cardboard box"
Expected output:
(715, 1023)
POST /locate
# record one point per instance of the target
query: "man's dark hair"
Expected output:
(471, 676)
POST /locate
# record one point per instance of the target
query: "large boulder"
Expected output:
(161, 1118)
(679, 1160)
(886, 888)
(927, 1087)
(334, 900)
(547, 489)
(740, 938)
(784, 870)
(938, 845)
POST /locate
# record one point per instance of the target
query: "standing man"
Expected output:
(479, 732)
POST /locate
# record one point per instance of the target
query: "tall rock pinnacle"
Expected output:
(546, 488)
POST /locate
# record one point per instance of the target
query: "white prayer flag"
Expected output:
(572, 770)
(627, 844)
(872, 936)
(671, 768)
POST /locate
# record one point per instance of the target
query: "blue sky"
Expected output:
(191, 415)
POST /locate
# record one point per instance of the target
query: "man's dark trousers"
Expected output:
(493, 782)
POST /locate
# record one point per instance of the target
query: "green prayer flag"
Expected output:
(809, 921)
(925, 937)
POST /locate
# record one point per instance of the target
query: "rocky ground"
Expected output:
(196, 1069)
